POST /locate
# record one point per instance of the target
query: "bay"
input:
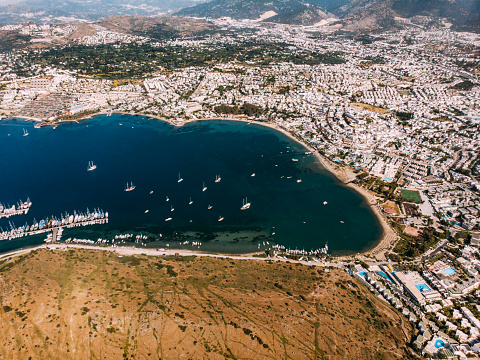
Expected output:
(50, 166)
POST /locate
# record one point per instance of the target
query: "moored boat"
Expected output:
(246, 205)
(130, 188)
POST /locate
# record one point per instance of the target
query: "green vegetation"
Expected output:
(404, 116)
(118, 61)
(411, 247)
(245, 109)
(466, 85)
(411, 196)
(12, 40)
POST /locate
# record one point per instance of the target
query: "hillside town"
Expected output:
(400, 110)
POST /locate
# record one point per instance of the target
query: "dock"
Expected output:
(55, 226)
(20, 209)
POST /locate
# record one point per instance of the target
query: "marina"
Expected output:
(97, 217)
(20, 209)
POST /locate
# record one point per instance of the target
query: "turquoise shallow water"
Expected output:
(49, 166)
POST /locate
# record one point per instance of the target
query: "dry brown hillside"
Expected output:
(136, 24)
(87, 304)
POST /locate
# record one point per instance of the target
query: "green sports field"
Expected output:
(411, 196)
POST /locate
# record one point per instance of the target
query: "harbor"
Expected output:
(97, 217)
(20, 209)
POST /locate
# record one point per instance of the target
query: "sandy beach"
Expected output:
(131, 250)
(342, 173)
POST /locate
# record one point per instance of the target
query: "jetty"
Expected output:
(20, 209)
(53, 225)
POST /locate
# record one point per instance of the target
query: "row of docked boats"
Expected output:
(21, 208)
(66, 221)
(316, 252)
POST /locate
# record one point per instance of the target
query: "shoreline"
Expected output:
(131, 250)
(386, 242)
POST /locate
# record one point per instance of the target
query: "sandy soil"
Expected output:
(87, 304)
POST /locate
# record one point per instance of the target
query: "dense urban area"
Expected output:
(399, 110)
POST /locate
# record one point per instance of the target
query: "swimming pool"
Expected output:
(363, 273)
(386, 276)
(449, 271)
(422, 287)
(439, 343)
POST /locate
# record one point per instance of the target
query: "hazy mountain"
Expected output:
(286, 11)
(380, 14)
(43, 10)
(355, 14)
(307, 15)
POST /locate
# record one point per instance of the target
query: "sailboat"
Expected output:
(190, 202)
(167, 199)
(209, 207)
(131, 187)
(204, 187)
(246, 205)
(25, 132)
(179, 178)
(220, 218)
(218, 178)
(91, 166)
(171, 208)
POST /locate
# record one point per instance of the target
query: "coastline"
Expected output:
(387, 240)
(131, 250)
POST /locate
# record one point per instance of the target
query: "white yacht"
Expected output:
(130, 187)
(91, 166)
(246, 205)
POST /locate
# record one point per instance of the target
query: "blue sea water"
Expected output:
(50, 166)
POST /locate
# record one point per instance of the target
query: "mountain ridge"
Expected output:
(354, 15)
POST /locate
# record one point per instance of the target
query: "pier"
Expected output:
(20, 209)
(55, 226)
